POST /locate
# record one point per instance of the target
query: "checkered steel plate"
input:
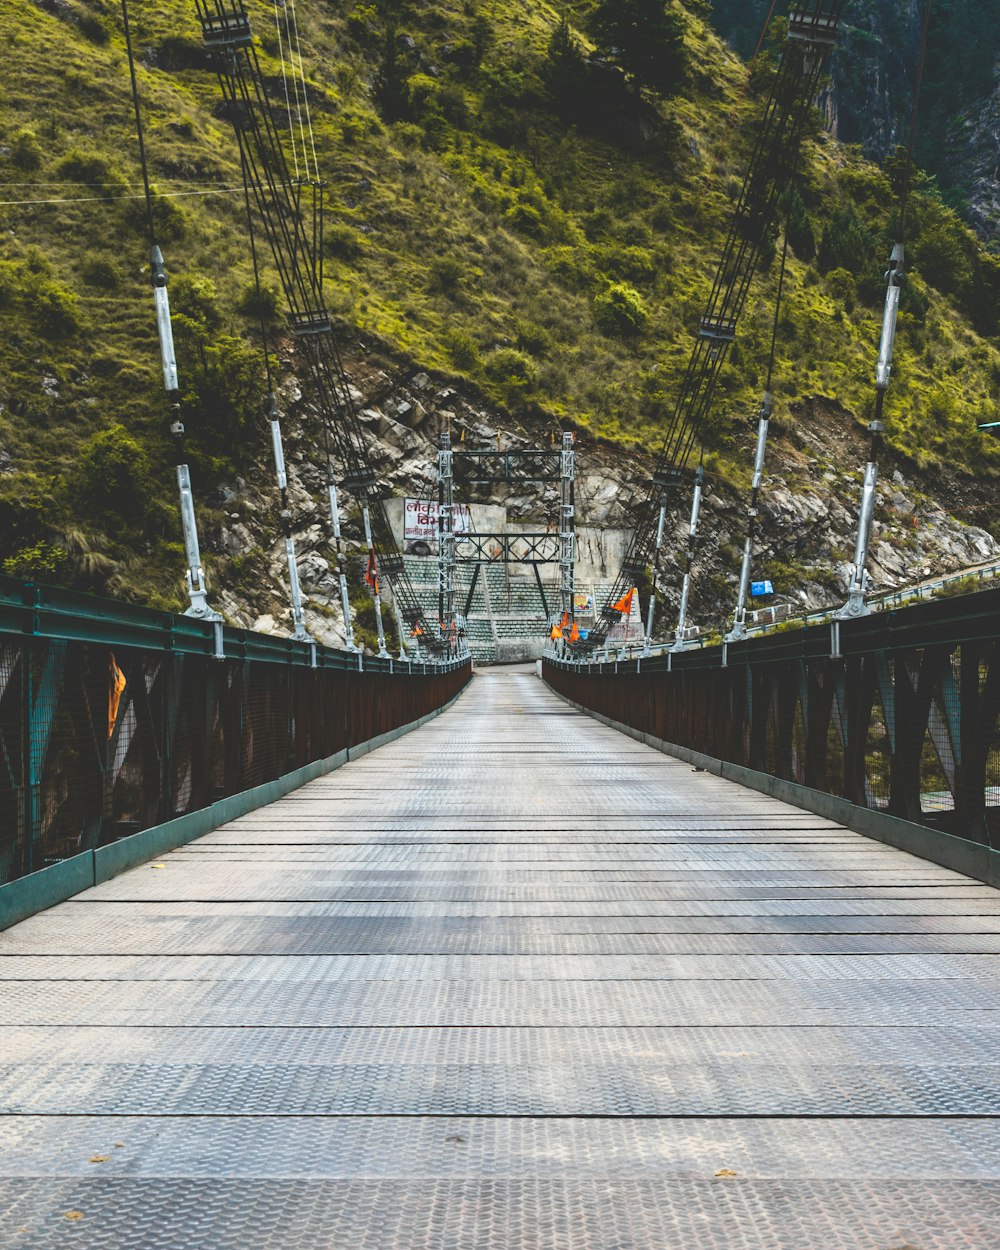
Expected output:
(499, 1213)
(419, 1004)
(911, 1044)
(448, 1148)
(332, 970)
(554, 859)
(834, 935)
(269, 890)
(191, 1052)
(625, 1086)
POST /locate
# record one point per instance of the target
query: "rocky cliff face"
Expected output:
(809, 506)
(871, 91)
(870, 97)
(976, 141)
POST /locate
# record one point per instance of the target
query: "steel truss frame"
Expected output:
(114, 718)
(898, 712)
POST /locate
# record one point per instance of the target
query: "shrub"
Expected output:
(444, 275)
(961, 586)
(843, 288)
(221, 406)
(846, 243)
(344, 242)
(25, 151)
(111, 479)
(98, 271)
(463, 349)
(53, 306)
(533, 338)
(261, 304)
(621, 310)
(525, 219)
(169, 219)
(94, 27)
(509, 366)
(40, 562)
(93, 168)
(195, 296)
(636, 264)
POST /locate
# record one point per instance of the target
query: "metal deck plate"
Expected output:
(515, 982)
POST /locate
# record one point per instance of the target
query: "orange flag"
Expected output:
(574, 633)
(371, 573)
(565, 620)
(556, 633)
(115, 687)
(624, 604)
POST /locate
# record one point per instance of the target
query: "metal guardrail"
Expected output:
(924, 592)
(898, 712)
(115, 718)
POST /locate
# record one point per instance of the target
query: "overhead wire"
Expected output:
(284, 84)
(305, 95)
(110, 199)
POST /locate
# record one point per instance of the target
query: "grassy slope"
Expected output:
(483, 223)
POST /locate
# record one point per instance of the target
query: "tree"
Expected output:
(391, 85)
(645, 38)
(846, 243)
(565, 69)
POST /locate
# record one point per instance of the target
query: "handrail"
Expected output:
(58, 614)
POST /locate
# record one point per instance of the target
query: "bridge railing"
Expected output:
(114, 718)
(896, 712)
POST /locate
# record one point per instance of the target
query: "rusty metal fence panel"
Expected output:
(898, 712)
(114, 718)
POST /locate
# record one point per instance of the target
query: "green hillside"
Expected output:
(502, 209)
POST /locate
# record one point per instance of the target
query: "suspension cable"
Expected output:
(914, 114)
(777, 302)
(151, 226)
(256, 274)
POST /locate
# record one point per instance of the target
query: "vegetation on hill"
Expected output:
(519, 195)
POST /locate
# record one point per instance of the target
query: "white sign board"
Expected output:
(420, 519)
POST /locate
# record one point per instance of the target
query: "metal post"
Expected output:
(660, 526)
(739, 630)
(679, 637)
(196, 584)
(567, 528)
(299, 631)
(383, 653)
(338, 546)
(446, 540)
(402, 631)
(858, 584)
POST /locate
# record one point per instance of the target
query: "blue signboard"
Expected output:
(761, 588)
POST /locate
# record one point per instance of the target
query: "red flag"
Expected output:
(371, 573)
(624, 604)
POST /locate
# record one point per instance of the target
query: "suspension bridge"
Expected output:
(650, 946)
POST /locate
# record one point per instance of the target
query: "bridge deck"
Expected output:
(512, 982)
